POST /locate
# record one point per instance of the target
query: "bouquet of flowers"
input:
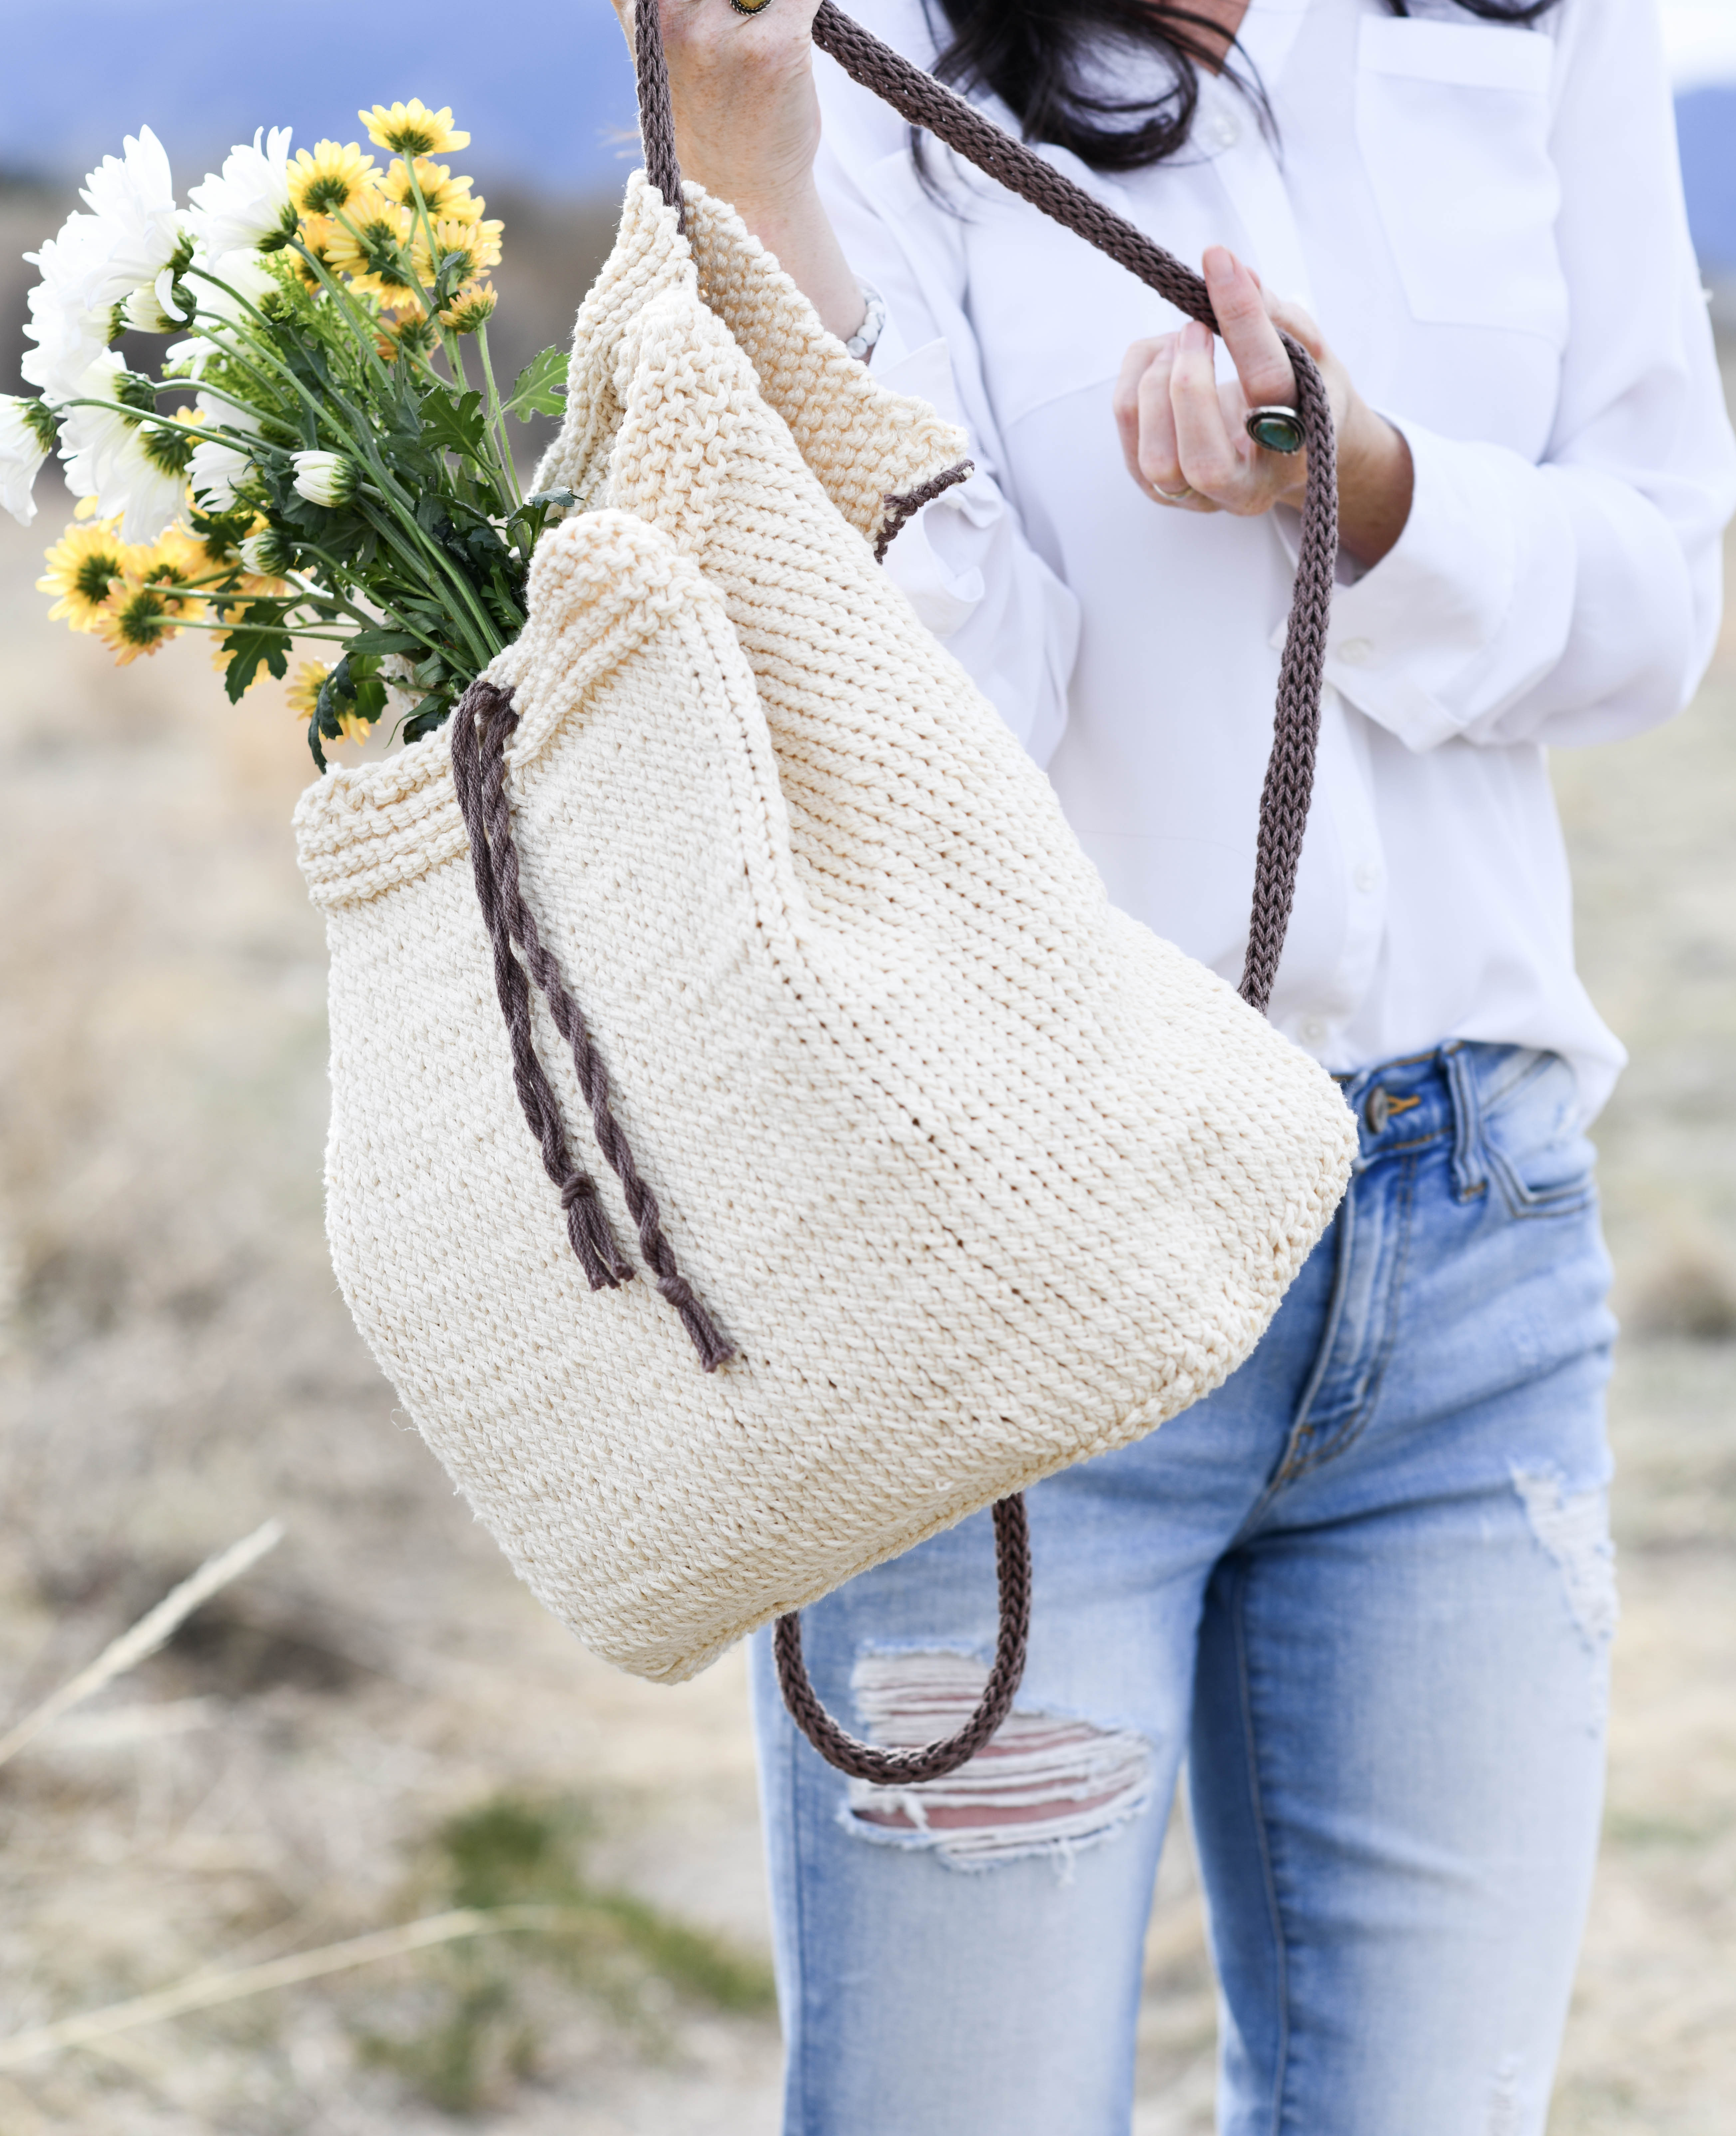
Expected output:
(314, 462)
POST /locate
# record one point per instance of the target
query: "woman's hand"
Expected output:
(1182, 432)
(746, 128)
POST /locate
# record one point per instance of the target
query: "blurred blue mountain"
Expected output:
(1706, 121)
(544, 87)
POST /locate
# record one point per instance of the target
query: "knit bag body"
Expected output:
(977, 1176)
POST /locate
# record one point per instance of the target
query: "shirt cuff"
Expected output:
(943, 593)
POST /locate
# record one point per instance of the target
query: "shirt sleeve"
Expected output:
(1576, 601)
(963, 562)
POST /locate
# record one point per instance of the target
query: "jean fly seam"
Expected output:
(1268, 1874)
(1357, 1422)
(1289, 1462)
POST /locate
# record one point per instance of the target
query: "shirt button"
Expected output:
(1356, 653)
(1367, 876)
(1222, 130)
(1313, 1031)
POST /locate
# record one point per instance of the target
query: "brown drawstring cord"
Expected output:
(480, 725)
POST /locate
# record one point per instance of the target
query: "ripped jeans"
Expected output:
(1366, 1588)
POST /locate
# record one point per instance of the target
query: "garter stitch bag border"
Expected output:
(973, 1179)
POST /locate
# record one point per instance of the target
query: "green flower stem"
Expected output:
(483, 649)
(289, 630)
(449, 340)
(391, 619)
(497, 419)
(361, 325)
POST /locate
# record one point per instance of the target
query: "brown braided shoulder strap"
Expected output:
(484, 720)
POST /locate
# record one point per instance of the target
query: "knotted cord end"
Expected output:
(587, 1227)
(713, 1350)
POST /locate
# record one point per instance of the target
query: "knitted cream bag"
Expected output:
(978, 1177)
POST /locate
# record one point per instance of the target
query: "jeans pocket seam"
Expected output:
(1528, 1204)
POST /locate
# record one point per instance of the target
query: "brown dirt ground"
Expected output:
(177, 1365)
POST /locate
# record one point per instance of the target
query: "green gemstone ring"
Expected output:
(1277, 430)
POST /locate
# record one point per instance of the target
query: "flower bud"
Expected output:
(268, 554)
(327, 478)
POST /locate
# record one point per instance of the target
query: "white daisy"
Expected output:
(187, 359)
(163, 306)
(133, 197)
(69, 327)
(246, 206)
(135, 469)
(218, 465)
(225, 286)
(213, 473)
(27, 436)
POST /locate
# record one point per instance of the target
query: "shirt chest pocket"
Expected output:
(1452, 121)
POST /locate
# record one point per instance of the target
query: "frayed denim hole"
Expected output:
(1048, 1784)
(1573, 1528)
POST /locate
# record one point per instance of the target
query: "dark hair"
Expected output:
(1032, 55)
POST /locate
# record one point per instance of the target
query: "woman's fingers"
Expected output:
(1126, 401)
(1159, 468)
(1205, 453)
(1249, 334)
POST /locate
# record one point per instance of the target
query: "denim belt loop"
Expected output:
(1469, 1177)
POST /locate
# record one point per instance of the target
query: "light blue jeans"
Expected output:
(1366, 1588)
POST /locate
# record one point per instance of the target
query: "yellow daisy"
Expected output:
(412, 130)
(411, 334)
(82, 566)
(174, 558)
(442, 194)
(478, 242)
(316, 234)
(133, 620)
(303, 694)
(473, 306)
(303, 700)
(368, 245)
(329, 177)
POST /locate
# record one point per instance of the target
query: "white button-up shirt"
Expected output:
(1487, 223)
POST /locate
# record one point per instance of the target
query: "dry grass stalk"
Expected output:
(151, 1631)
(205, 1991)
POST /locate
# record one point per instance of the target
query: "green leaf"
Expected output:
(370, 698)
(249, 647)
(455, 421)
(385, 641)
(538, 389)
(427, 717)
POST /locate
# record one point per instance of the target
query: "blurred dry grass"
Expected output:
(177, 1367)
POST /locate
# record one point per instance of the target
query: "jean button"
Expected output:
(1377, 1111)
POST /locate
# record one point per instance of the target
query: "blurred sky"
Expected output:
(543, 85)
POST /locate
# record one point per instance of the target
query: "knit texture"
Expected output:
(978, 1177)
